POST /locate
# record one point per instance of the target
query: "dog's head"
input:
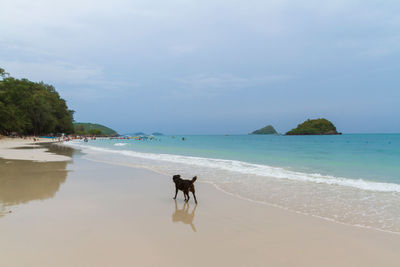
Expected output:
(176, 178)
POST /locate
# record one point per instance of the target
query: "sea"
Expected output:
(351, 178)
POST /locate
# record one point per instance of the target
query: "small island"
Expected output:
(314, 127)
(157, 134)
(269, 129)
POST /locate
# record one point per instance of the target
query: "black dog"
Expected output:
(185, 186)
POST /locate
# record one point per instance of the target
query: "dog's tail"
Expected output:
(194, 179)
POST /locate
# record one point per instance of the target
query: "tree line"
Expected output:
(32, 108)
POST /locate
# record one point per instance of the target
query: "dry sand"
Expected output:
(84, 213)
(22, 149)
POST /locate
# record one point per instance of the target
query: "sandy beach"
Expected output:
(84, 213)
(28, 149)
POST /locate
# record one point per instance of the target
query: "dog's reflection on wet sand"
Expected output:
(183, 215)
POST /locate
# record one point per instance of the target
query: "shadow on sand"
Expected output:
(183, 215)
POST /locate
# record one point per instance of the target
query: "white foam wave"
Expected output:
(120, 144)
(256, 169)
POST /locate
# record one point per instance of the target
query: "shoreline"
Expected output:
(251, 200)
(112, 215)
(345, 203)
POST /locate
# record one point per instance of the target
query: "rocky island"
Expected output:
(269, 129)
(314, 127)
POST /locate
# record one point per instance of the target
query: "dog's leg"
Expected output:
(187, 193)
(195, 200)
(176, 192)
(193, 192)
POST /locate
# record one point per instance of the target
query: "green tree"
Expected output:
(3, 73)
(94, 132)
(80, 130)
(32, 108)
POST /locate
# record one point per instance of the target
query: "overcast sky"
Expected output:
(211, 67)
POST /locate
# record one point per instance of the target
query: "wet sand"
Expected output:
(84, 213)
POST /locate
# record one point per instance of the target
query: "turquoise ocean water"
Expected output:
(350, 178)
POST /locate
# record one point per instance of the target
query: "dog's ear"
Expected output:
(176, 176)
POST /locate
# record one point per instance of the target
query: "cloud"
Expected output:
(213, 85)
(179, 50)
(199, 50)
(64, 73)
(382, 48)
(52, 71)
